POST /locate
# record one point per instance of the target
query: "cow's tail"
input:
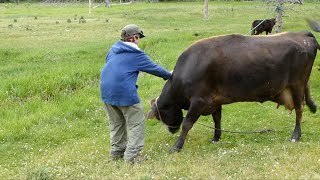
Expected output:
(317, 43)
(314, 25)
(311, 35)
(309, 101)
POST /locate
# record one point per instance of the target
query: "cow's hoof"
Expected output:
(293, 139)
(173, 150)
(214, 141)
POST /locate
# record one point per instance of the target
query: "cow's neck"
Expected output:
(171, 96)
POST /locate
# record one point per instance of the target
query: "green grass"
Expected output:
(53, 125)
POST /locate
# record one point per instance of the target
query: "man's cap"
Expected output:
(132, 29)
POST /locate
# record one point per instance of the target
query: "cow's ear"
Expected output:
(152, 102)
(151, 115)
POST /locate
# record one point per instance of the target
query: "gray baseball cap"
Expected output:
(132, 29)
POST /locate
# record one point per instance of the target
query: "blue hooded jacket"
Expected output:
(120, 73)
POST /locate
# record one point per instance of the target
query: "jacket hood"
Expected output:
(121, 47)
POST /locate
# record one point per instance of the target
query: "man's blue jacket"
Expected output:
(120, 73)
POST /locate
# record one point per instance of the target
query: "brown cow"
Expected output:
(235, 68)
(258, 26)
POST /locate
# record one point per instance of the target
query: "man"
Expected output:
(119, 93)
(107, 3)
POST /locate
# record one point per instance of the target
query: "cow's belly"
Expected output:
(282, 96)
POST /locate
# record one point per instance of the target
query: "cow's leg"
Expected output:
(191, 117)
(297, 129)
(310, 103)
(298, 106)
(217, 124)
(269, 31)
(187, 124)
(259, 31)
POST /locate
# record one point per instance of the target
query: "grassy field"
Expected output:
(53, 125)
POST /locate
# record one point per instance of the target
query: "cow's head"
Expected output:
(170, 115)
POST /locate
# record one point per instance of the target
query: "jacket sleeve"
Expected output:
(145, 64)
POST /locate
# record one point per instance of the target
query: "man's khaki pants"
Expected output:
(127, 130)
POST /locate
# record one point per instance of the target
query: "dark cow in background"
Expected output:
(258, 26)
(314, 25)
(235, 68)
